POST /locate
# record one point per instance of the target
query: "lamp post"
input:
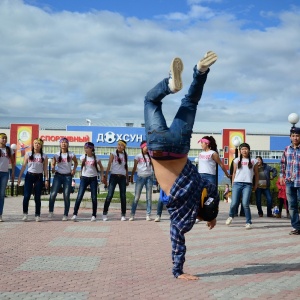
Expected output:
(14, 148)
(196, 160)
(236, 142)
(293, 118)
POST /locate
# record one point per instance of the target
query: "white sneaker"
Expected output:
(176, 68)
(208, 59)
(123, 218)
(65, 218)
(157, 219)
(228, 221)
(104, 218)
(25, 217)
(131, 218)
(93, 219)
(74, 218)
(1, 220)
(248, 226)
(38, 219)
(148, 218)
(50, 215)
(197, 221)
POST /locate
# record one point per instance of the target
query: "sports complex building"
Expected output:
(266, 140)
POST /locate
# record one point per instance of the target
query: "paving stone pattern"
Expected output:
(87, 260)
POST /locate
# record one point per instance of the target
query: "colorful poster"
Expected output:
(23, 135)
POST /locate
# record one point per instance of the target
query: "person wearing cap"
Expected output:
(61, 164)
(265, 177)
(6, 157)
(37, 163)
(169, 147)
(244, 168)
(143, 165)
(290, 174)
(118, 168)
(209, 159)
(90, 165)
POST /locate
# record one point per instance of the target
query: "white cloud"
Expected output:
(100, 64)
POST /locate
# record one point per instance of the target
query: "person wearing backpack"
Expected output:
(169, 147)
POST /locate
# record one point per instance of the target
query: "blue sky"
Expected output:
(98, 58)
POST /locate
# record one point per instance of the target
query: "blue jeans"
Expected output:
(268, 196)
(66, 182)
(241, 189)
(160, 207)
(175, 139)
(140, 183)
(113, 181)
(211, 178)
(31, 180)
(291, 194)
(3, 184)
(84, 183)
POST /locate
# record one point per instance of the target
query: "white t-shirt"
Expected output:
(36, 165)
(117, 168)
(144, 168)
(206, 164)
(244, 174)
(4, 159)
(89, 169)
(64, 167)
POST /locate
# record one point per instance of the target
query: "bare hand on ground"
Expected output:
(211, 224)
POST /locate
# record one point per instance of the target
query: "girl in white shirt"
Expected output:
(62, 167)
(118, 167)
(89, 177)
(142, 162)
(243, 170)
(37, 163)
(6, 156)
(208, 160)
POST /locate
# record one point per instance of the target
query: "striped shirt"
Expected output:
(183, 205)
(290, 164)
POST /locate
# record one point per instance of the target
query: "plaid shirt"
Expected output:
(183, 205)
(290, 164)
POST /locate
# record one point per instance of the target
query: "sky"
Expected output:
(98, 58)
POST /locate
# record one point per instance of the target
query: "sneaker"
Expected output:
(208, 59)
(65, 218)
(74, 218)
(175, 82)
(228, 221)
(50, 215)
(104, 218)
(93, 219)
(1, 220)
(248, 226)
(131, 218)
(157, 219)
(25, 217)
(123, 218)
(197, 221)
(38, 219)
(148, 218)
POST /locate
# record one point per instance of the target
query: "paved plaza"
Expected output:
(132, 260)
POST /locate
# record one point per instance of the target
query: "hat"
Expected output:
(295, 130)
(244, 145)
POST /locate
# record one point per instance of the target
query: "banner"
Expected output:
(23, 135)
